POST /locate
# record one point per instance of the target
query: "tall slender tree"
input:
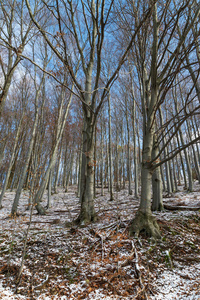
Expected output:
(70, 42)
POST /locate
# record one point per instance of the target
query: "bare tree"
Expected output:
(71, 42)
(14, 36)
(157, 79)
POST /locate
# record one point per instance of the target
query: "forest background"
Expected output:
(101, 95)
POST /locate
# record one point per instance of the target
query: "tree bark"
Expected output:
(102, 160)
(59, 132)
(12, 159)
(110, 152)
(144, 221)
(28, 155)
(87, 213)
(157, 203)
(128, 152)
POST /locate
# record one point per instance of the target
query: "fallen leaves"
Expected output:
(98, 260)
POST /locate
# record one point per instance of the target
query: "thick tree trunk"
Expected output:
(144, 221)
(87, 213)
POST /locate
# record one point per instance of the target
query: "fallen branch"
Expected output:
(137, 268)
(55, 221)
(169, 207)
(42, 285)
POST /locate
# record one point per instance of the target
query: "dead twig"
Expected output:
(137, 268)
(42, 285)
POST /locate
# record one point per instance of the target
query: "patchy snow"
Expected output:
(7, 294)
(97, 261)
(179, 284)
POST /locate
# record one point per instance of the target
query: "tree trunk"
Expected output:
(167, 169)
(49, 190)
(157, 203)
(134, 136)
(182, 162)
(57, 168)
(60, 128)
(69, 170)
(128, 152)
(102, 160)
(144, 221)
(28, 156)
(95, 159)
(79, 171)
(189, 170)
(87, 213)
(110, 152)
(171, 171)
(12, 159)
(135, 151)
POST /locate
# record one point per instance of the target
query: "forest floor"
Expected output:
(101, 260)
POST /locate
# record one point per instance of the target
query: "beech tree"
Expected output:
(89, 42)
(71, 41)
(37, 90)
(13, 38)
(19, 127)
(157, 78)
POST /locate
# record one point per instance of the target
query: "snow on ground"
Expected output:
(176, 284)
(98, 261)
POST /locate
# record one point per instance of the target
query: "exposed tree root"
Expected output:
(145, 223)
(82, 220)
(40, 209)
